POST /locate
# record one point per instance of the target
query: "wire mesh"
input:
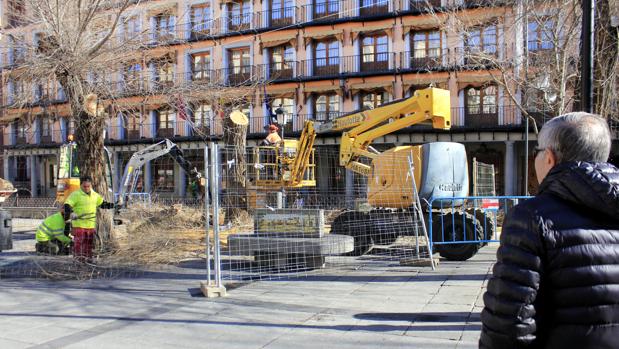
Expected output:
(484, 183)
(157, 229)
(273, 230)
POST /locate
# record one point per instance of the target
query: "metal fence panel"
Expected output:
(477, 221)
(271, 230)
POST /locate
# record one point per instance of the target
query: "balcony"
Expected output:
(423, 5)
(241, 75)
(276, 18)
(371, 8)
(372, 62)
(279, 70)
(425, 59)
(239, 23)
(323, 10)
(319, 67)
(484, 3)
(477, 57)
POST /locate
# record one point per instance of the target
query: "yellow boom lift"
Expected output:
(440, 170)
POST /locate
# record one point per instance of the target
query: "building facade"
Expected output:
(315, 59)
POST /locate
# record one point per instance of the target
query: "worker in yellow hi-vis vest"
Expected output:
(52, 237)
(81, 207)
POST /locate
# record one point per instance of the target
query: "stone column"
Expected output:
(34, 175)
(180, 181)
(510, 174)
(6, 167)
(350, 189)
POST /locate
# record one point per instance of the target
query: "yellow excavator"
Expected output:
(440, 171)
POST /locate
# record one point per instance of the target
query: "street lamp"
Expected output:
(281, 118)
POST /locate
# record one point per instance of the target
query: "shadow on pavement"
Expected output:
(371, 327)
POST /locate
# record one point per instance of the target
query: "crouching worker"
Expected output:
(81, 207)
(52, 237)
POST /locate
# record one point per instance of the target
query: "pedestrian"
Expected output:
(556, 280)
(81, 206)
(51, 235)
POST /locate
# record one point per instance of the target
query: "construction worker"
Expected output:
(81, 208)
(52, 237)
(273, 137)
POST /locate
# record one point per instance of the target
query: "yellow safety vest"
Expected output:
(52, 228)
(85, 207)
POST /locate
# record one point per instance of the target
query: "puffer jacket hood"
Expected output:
(592, 185)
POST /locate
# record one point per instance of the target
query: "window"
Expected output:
(163, 170)
(371, 100)
(541, 34)
(374, 7)
(166, 120)
(21, 174)
(132, 124)
(282, 12)
(327, 57)
(16, 12)
(201, 19)
(164, 27)
(481, 100)
(202, 118)
(282, 58)
(71, 127)
(240, 15)
(164, 70)
(287, 105)
(326, 8)
(240, 68)
(21, 129)
(426, 49)
(131, 28)
(132, 76)
(482, 40)
(374, 52)
(201, 65)
(46, 129)
(326, 106)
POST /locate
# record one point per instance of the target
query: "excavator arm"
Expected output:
(139, 158)
(427, 105)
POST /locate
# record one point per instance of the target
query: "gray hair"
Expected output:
(577, 136)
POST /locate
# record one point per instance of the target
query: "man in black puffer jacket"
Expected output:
(556, 280)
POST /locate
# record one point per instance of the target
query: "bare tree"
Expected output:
(78, 47)
(528, 48)
(606, 55)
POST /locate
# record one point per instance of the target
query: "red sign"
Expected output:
(490, 204)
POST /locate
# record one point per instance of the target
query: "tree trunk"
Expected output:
(234, 200)
(91, 158)
(606, 85)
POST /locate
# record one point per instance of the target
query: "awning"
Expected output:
(371, 86)
(318, 35)
(166, 9)
(387, 28)
(288, 92)
(8, 118)
(439, 82)
(278, 40)
(323, 88)
(476, 78)
(425, 22)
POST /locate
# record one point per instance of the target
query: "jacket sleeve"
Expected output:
(508, 318)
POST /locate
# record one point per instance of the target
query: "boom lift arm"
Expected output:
(139, 158)
(431, 104)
